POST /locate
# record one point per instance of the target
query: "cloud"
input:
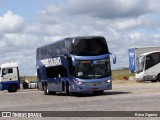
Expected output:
(123, 23)
(132, 23)
(107, 9)
(10, 23)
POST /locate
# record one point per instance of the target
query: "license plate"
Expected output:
(95, 89)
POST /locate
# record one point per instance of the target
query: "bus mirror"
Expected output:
(140, 60)
(133, 63)
(73, 61)
(114, 58)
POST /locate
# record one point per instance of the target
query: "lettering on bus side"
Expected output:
(51, 62)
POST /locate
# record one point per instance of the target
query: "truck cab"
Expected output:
(9, 77)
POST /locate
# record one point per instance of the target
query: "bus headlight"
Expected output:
(108, 81)
(81, 83)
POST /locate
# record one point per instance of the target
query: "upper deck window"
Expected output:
(90, 46)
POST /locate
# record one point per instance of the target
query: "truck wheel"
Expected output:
(158, 77)
(12, 88)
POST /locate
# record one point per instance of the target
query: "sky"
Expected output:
(27, 24)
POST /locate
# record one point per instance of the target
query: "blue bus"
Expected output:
(74, 65)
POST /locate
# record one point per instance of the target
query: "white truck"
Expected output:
(9, 77)
(145, 62)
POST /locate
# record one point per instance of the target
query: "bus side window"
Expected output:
(62, 71)
(52, 72)
(57, 49)
(68, 46)
(62, 48)
(53, 52)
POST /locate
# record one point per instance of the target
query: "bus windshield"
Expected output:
(140, 64)
(92, 69)
(90, 46)
(152, 60)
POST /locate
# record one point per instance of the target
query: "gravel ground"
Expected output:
(125, 96)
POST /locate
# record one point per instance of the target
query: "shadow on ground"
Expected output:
(93, 95)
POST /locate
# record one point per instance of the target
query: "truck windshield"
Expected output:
(93, 69)
(140, 64)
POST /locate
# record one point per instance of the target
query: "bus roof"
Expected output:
(148, 53)
(77, 37)
(144, 47)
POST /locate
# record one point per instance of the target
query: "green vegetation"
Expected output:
(121, 74)
(116, 75)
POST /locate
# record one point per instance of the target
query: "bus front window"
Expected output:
(92, 69)
(140, 64)
(90, 46)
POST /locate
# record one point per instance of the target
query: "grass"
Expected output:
(116, 75)
(120, 74)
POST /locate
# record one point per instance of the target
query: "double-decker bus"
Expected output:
(74, 65)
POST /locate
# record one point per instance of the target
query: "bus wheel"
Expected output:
(12, 88)
(67, 91)
(46, 91)
(158, 77)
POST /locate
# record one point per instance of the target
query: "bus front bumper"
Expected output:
(145, 77)
(90, 87)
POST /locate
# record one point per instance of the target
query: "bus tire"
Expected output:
(67, 91)
(12, 88)
(158, 77)
(46, 91)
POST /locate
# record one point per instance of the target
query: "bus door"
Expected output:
(53, 84)
(62, 73)
(52, 78)
(59, 82)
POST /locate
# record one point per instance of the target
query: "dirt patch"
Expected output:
(129, 82)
